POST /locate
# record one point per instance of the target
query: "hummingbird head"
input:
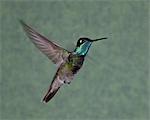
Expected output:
(84, 44)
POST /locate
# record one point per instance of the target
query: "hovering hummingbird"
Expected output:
(68, 62)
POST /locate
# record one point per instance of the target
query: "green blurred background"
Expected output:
(112, 85)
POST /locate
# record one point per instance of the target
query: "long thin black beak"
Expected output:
(98, 39)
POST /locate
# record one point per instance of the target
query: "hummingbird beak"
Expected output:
(98, 39)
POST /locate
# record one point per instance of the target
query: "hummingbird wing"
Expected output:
(53, 51)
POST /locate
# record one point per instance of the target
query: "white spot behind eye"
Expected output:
(80, 41)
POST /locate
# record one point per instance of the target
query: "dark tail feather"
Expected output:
(49, 95)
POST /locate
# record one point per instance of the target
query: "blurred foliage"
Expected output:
(113, 85)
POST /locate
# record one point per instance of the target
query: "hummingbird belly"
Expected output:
(67, 70)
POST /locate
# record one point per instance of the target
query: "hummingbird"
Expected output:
(67, 62)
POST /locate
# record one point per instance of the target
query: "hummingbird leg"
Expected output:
(67, 79)
(67, 82)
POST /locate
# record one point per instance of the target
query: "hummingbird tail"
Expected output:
(49, 95)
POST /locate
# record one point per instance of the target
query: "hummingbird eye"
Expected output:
(81, 41)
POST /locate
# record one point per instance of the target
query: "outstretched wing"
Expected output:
(53, 51)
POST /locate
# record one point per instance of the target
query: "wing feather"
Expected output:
(53, 51)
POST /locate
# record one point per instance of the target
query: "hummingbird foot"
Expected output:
(67, 82)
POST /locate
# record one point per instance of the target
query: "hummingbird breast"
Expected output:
(75, 62)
